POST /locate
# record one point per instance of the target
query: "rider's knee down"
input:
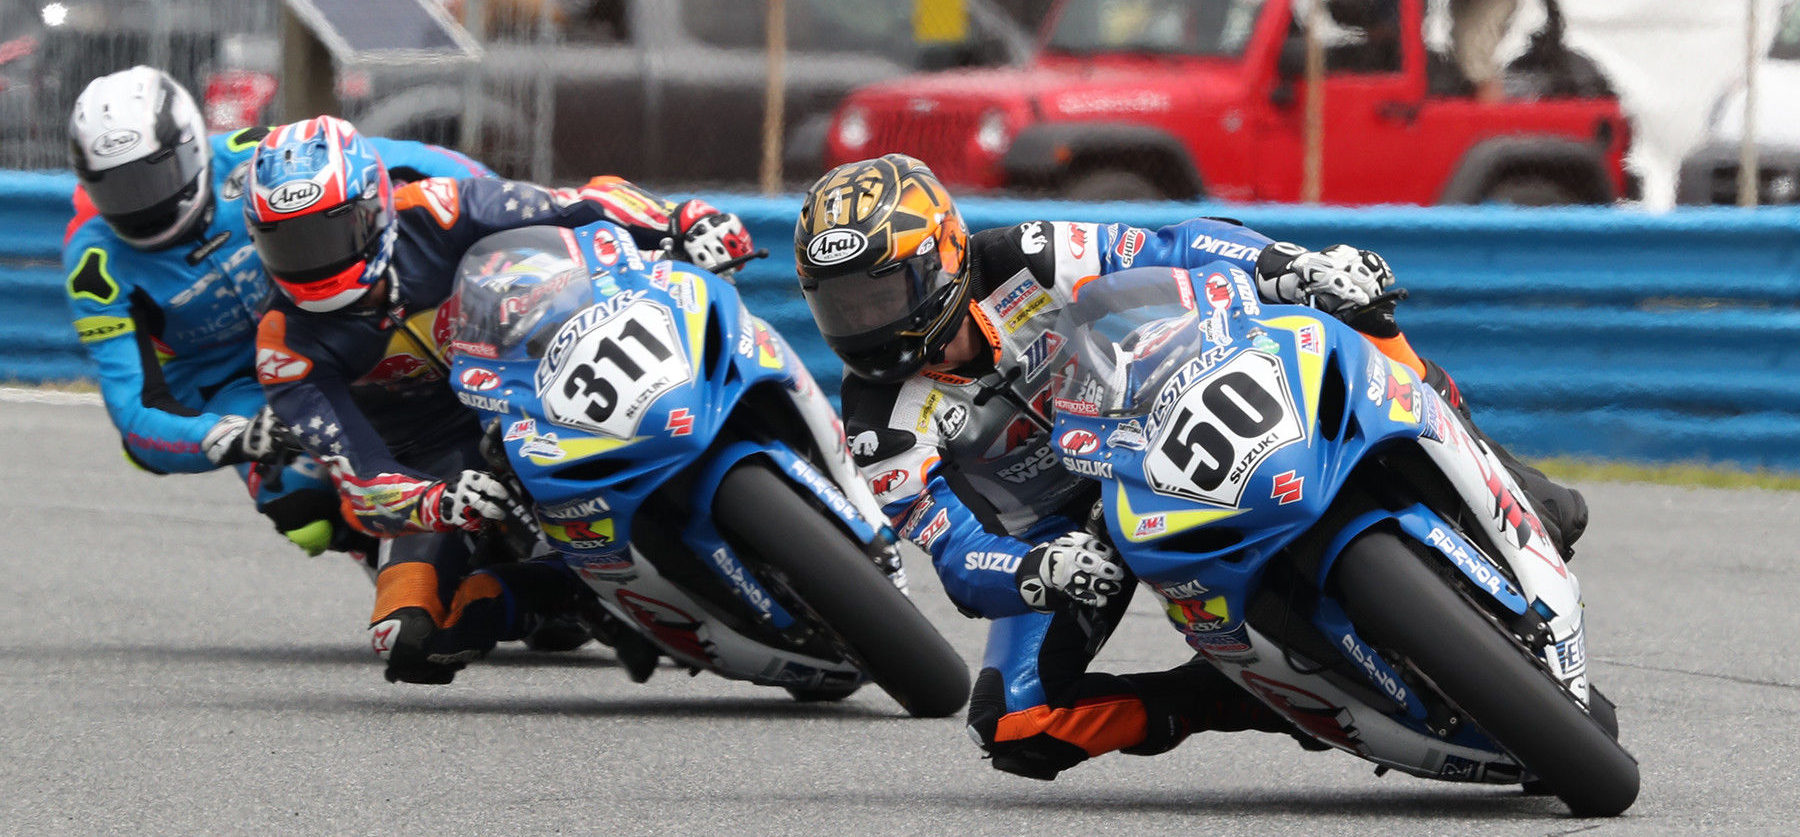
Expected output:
(1037, 756)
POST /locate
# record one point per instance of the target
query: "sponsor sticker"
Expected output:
(1288, 488)
(479, 378)
(521, 429)
(115, 142)
(1151, 524)
(1079, 442)
(295, 196)
(836, 245)
(1031, 237)
(1128, 245)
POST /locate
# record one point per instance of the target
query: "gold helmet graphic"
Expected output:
(882, 257)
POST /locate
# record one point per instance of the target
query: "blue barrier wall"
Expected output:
(1588, 332)
(36, 340)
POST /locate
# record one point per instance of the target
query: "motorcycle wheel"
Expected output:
(888, 637)
(1400, 604)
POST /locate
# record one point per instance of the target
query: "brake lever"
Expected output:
(726, 268)
(519, 533)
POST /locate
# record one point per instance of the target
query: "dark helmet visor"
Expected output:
(894, 299)
(319, 245)
(149, 183)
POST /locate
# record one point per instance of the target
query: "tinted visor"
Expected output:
(895, 298)
(146, 184)
(320, 245)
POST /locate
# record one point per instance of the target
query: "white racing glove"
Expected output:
(1076, 567)
(705, 236)
(470, 500)
(236, 439)
(1337, 280)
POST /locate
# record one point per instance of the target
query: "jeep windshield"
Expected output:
(1787, 35)
(1211, 28)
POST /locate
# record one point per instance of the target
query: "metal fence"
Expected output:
(1085, 99)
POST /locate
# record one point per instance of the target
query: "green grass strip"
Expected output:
(1568, 469)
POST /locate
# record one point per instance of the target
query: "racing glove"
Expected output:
(1339, 280)
(468, 501)
(1074, 568)
(706, 236)
(236, 439)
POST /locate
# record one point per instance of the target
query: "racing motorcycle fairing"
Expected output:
(613, 378)
(1225, 432)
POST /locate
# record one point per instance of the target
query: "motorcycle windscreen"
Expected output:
(514, 288)
(1127, 333)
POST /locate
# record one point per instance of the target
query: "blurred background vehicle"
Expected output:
(1709, 174)
(1176, 99)
(670, 91)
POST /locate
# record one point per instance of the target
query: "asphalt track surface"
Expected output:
(168, 665)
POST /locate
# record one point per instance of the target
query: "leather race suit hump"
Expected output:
(964, 463)
(170, 328)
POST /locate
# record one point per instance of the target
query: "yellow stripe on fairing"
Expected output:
(581, 448)
(1176, 521)
(696, 319)
(1312, 367)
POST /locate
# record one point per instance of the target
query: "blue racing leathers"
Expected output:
(172, 331)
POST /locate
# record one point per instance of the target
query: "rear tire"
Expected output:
(890, 639)
(1111, 185)
(1400, 604)
(1530, 190)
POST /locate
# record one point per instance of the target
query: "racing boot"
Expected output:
(559, 632)
(1562, 510)
(401, 640)
(1195, 697)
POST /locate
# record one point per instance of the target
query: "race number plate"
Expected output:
(607, 365)
(1221, 428)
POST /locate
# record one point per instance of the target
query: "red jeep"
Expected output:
(1136, 99)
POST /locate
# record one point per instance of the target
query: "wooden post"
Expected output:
(308, 87)
(774, 101)
(1747, 158)
(1313, 173)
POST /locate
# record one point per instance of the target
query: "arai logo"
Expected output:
(115, 142)
(289, 197)
(838, 245)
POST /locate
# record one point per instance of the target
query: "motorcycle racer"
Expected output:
(165, 289)
(353, 351)
(946, 342)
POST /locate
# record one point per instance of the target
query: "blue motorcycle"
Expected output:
(686, 466)
(1322, 528)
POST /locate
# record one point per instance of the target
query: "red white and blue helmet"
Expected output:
(321, 212)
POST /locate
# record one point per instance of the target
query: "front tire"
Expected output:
(890, 639)
(1399, 604)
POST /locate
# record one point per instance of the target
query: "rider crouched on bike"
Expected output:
(353, 356)
(165, 289)
(946, 342)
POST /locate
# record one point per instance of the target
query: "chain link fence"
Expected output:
(1336, 101)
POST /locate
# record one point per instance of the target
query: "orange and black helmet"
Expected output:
(883, 261)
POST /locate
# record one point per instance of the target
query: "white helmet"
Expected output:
(139, 145)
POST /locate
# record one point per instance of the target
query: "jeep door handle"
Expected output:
(1398, 111)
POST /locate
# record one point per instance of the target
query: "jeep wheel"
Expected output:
(1530, 190)
(1110, 185)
